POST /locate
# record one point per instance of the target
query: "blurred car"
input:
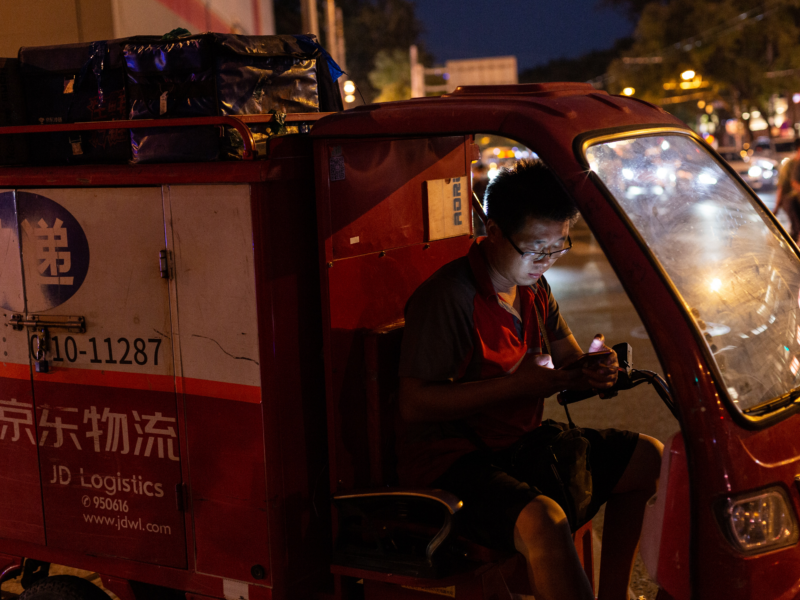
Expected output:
(760, 173)
(780, 149)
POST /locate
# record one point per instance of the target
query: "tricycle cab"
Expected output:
(264, 288)
(709, 270)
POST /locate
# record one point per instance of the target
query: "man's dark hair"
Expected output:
(528, 189)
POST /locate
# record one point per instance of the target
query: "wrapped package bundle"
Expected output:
(278, 73)
(173, 79)
(13, 150)
(71, 83)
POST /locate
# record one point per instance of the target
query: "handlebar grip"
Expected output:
(569, 397)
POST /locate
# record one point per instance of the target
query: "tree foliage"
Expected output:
(370, 27)
(632, 8)
(391, 75)
(744, 50)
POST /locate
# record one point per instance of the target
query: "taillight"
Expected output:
(760, 521)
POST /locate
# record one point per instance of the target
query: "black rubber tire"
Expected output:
(64, 587)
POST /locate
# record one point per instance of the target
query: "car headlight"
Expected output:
(754, 171)
(760, 521)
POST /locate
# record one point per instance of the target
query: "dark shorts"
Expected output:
(493, 499)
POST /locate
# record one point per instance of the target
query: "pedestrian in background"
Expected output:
(789, 190)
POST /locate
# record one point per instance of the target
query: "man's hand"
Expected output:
(604, 374)
(535, 377)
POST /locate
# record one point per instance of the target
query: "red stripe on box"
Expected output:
(15, 371)
(197, 15)
(257, 17)
(112, 379)
(137, 381)
(218, 389)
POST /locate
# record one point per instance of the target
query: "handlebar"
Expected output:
(627, 378)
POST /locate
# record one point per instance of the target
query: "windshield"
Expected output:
(737, 276)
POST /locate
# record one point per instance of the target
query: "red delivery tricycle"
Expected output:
(199, 361)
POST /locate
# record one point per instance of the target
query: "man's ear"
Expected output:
(493, 231)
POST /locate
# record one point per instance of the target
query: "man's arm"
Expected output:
(436, 401)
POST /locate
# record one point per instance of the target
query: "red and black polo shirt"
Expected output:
(459, 330)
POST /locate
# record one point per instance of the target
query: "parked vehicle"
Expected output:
(759, 173)
(199, 359)
(778, 149)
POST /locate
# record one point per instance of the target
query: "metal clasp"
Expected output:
(72, 324)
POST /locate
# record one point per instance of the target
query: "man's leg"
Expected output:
(542, 536)
(624, 514)
(793, 210)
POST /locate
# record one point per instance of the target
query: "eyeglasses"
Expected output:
(537, 256)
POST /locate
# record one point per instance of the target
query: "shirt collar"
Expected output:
(480, 269)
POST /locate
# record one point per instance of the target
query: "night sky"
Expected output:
(535, 31)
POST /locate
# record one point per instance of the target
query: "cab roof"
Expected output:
(529, 113)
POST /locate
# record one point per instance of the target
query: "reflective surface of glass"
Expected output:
(737, 275)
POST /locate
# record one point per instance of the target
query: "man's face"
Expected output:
(536, 235)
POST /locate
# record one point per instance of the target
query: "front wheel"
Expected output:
(64, 587)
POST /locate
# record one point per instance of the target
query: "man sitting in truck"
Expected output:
(474, 374)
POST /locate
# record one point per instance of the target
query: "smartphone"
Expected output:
(591, 359)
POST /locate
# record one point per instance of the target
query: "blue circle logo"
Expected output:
(55, 251)
(11, 295)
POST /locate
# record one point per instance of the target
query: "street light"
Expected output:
(688, 75)
(349, 89)
(628, 91)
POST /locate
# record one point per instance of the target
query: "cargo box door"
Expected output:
(104, 384)
(21, 496)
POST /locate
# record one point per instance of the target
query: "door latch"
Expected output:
(72, 324)
(41, 324)
(40, 351)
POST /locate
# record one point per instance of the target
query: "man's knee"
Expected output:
(541, 523)
(644, 467)
(651, 452)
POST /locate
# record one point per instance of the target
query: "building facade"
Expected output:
(48, 22)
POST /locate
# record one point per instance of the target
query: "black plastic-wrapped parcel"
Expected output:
(13, 148)
(172, 80)
(280, 73)
(69, 83)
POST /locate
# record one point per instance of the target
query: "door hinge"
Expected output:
(163, 263)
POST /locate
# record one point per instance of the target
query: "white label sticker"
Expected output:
(449, 211)
(235, 590)
(162, 105)
(355, 240)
